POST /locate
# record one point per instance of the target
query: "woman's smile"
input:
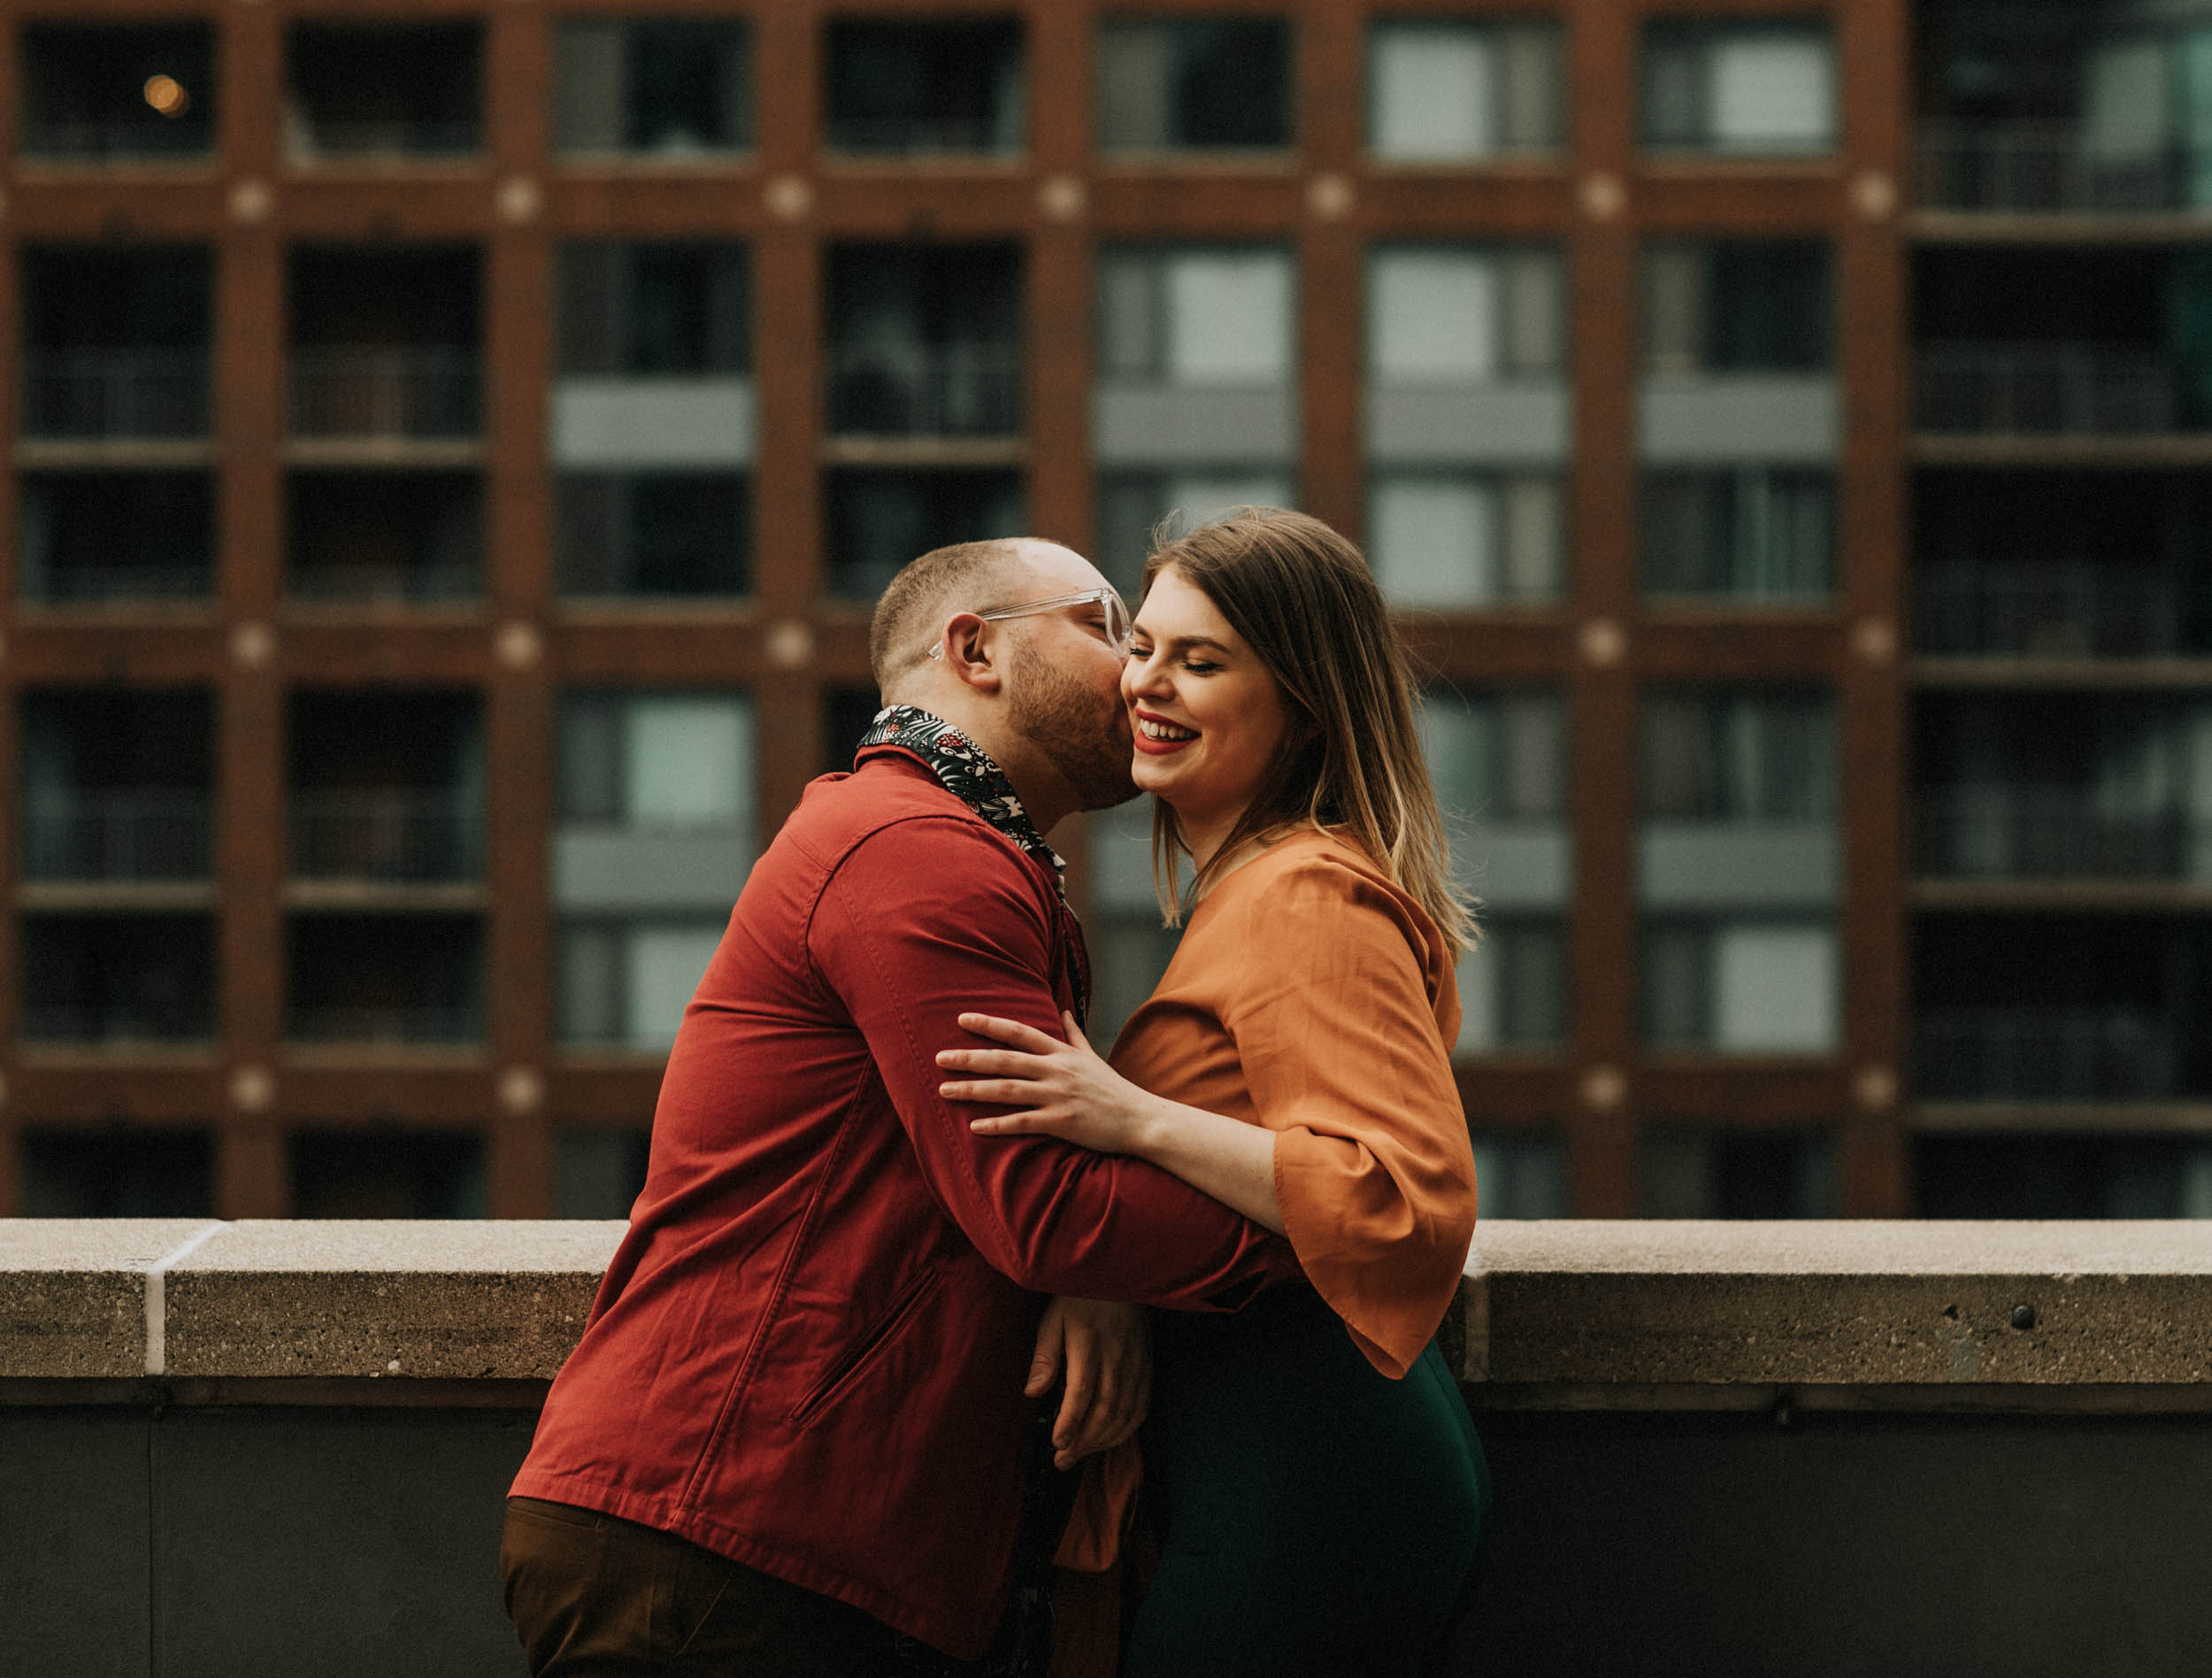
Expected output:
(1156, 736)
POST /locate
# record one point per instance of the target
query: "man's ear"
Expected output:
(970, 652)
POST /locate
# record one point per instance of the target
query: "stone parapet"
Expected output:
(1617, 1307)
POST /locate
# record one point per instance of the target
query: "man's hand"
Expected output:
(1107, 1351)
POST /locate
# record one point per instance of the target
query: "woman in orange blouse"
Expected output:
(1323, 1492)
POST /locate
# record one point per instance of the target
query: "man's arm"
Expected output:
(931, 918)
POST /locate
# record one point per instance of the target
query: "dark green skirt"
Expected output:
(1318, 1517)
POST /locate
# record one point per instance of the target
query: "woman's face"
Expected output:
(1207, 716)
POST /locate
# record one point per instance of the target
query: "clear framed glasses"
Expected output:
(1119, 629)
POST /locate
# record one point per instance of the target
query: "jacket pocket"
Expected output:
(847, 1364)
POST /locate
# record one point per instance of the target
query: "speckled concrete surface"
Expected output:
(72, 1292)
(1883, 1304)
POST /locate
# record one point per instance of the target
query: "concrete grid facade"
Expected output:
(1593, 202)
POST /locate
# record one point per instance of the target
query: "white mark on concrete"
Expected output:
(158, 1296)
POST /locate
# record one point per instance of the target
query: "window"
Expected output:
(674, 534)
(1193, 84)
(368, 89)
(1513, 984)
(635, 310)
(1130, 948)
(393, 980)
(117, 784)
(2062, 1176)
(1740, 1174)
(916, 87)
(116, 536)
(1133, 506)
(93, 92)
(1738, 305)
(1441, 539)
(926, 339)
(388, 1173)
(386, 787)
(1441, 91)
(1520, 1176)
(384, 341)
(383, 535)
(115, 341)
(1740, 986)
(1739, 756)
(1198, 315)
(624, 984)
(1496, 756)
(599, 1172)
(1757, 532)
(665, 761)
(1464, 314)
(666, 87)
(881, 518)
(116, 979)
(117, 1173)
(1751, 89)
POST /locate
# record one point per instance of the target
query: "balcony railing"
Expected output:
(98, 141)
(124, 835)
(908, 390)
(100, 394)
(425, 582)
(112, 1023)
(2044, 1054)
(2056, 609)
(2041, 168)
(393, 837)
(310, 138)
(2047, 389)
(363, 391)
(2012, 833)
(396, 1023)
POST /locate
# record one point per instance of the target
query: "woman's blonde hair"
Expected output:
(1303, 600)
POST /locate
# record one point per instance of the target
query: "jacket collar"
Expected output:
(969, 774)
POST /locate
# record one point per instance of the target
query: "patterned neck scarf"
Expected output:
(968, 772)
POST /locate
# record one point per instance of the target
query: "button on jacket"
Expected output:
(808, 1354)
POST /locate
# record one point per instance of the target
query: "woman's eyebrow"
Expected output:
(1182, 643)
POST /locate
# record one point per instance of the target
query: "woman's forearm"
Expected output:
(1225, 1158)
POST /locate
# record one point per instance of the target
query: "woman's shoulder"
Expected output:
(1310, 869)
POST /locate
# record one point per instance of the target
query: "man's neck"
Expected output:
(1046, 797)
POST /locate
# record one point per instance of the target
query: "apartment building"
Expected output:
(455, 448)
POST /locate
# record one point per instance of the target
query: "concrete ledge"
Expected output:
(1623, 1316)
(1889, 1305)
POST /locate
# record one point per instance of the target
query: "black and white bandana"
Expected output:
(968, 772)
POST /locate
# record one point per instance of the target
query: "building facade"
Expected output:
(454, 449)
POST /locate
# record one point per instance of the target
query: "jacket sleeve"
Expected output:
(930, 918)
(1344, 1060)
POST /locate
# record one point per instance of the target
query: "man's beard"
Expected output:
(1075, 728)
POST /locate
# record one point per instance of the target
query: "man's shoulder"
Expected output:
(894, 803)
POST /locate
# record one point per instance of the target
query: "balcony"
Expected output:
(365, 391)
(2043, 169)
(2011, 832)
(383, 535)
(2045, 609)
(100, 535)
(1784, 1424)
(912, 390)
(384, 980)
(390, 835)
(116, 981)
(2045, 1054)
(99, 395)
(110, 93)
(137, 835)
(381, 90)
(2046, 391)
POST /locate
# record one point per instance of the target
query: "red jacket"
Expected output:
(808, 1354)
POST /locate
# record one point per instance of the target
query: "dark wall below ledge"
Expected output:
(285, 1503)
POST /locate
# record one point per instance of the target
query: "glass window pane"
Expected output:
(1459, 737)
(599, 1174)
(661, 967)
(1532, 730)
(1535, 539)
(1520, 1176)
(1229, 317)
(1432, 91)
(1774, 989)
(591, 984)
(1433, 539)
(688, 762)
(1131, 332)
(1773, 93)
(1432, 317)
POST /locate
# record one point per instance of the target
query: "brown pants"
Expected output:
(594, 1596)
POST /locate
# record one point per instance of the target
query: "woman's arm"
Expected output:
(1065, 1089)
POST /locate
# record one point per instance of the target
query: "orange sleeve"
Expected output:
(1345, 1062)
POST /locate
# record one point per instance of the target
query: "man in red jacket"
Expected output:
(793, 1438)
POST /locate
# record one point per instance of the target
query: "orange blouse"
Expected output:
(1313, 996)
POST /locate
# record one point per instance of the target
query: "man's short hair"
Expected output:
(964, 577)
